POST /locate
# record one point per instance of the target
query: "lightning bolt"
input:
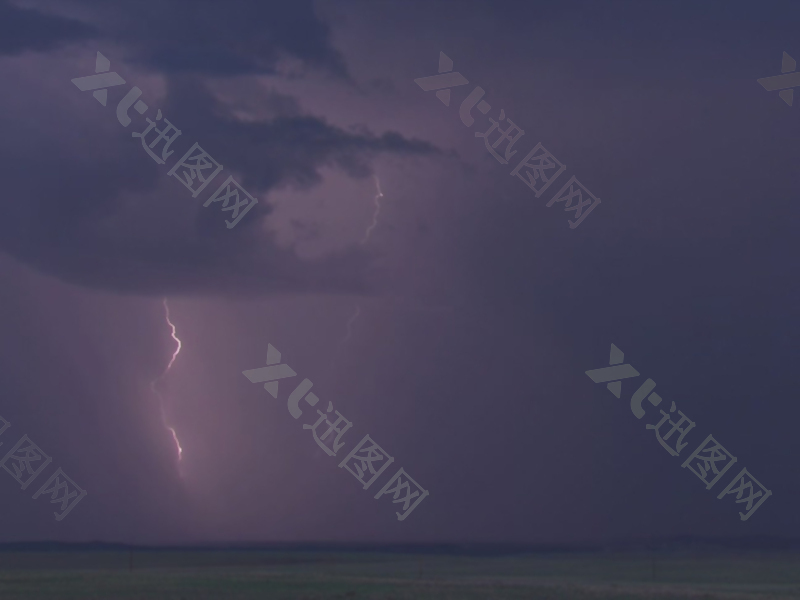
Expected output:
(350, 326)
(377, 212)
(347, 336)
(164, 374)
(357, 314)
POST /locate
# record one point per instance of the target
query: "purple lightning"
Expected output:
(347, 336)
(376, 200)
(350, 326)
(367, 233)
(357, 314)
(164, 374)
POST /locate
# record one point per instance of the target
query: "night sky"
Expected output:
(452, 319)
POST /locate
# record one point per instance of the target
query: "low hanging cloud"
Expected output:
(84, 203)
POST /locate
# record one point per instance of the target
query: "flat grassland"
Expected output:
(198, 575)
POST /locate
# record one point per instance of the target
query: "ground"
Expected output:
(374, 576)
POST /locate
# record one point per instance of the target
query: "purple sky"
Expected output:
(479, 309)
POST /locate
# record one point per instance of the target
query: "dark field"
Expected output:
(389, 576)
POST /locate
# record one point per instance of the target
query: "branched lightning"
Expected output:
(377, 212)
(164, 374)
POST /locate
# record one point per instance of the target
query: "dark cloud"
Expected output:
(219, 39)
(62, 224)
(23, 29)
(288, 149)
